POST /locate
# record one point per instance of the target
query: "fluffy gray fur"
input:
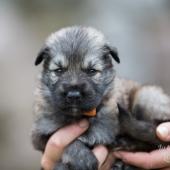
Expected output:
(79, 59)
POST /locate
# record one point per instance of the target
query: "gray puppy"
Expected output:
(78, 75)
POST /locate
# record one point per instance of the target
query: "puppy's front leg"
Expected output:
(103, 128)
(77, 157)
(42, 129)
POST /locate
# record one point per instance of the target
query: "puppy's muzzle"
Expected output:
(73, 95)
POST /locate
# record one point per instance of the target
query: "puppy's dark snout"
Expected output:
(73, 95)
(74, 92)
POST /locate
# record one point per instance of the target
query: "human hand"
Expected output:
(158, 159)
(63, 137)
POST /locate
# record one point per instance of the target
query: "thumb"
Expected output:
(163, 131)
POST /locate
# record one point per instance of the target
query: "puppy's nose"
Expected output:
(73, 95)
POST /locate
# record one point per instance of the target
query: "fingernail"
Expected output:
(46, 164)
(163, 132)
(83, 124)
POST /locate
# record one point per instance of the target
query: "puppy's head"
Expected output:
(78, 69)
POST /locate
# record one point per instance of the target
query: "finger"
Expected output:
(107, 165)
(163, 131)
(153, 160)
(59, 141)
(101, 154)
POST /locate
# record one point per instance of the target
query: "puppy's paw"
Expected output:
(62, 166)
(119, 165)
(78, 157)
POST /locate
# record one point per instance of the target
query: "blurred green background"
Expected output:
(139, 29)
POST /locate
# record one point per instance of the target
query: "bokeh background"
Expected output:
(139, 29)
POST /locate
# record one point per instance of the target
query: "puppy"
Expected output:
(78, 75)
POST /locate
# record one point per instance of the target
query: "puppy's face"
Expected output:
(78, 69)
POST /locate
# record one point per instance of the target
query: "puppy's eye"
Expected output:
(91, 71)
(59, 71)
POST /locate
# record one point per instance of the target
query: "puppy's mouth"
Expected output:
(79, 108)
(73, 110)
(76, 110)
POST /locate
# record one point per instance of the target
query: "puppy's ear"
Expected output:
(113, 52)
(44, 53)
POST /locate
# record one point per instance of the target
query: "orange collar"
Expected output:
(91, 113)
